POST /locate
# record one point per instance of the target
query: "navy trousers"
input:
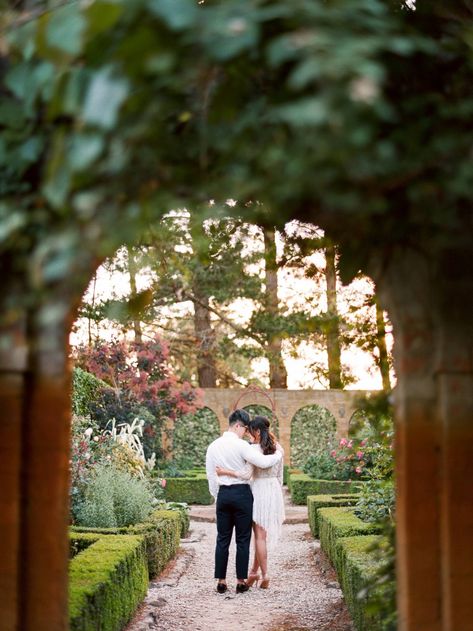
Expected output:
(234, 511)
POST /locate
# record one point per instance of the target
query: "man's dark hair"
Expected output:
(239, 416)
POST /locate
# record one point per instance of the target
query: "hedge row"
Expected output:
(108, 579)
(338, 522)
(357, 566)
(193, 490)
(349, 544)
(314, 502)
(160, 532)
(301, 486)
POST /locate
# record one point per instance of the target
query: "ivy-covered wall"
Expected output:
(262, 410)
(313, 430)
(192, 435)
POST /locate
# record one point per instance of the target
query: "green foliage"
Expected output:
(338, 522)
(358, 566)
(114, 498)
(323, 466)
(262, 410)
(161, 532)
(194, 490)
(314, 502)
(79, 542)
(377, 499)
(301, 485)
(85, 389)
(313, 431)
(182, 508)
(192, 434)
(107, 581)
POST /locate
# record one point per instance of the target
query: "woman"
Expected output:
(268, 506)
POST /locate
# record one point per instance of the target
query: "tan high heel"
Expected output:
(253, 577)
(264, 583)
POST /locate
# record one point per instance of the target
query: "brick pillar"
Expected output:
(12, 376)
(454, 380)
(431, 305)
(34, 497)
(417, 446)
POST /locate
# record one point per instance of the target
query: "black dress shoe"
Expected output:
(221, 588)
(241, 588)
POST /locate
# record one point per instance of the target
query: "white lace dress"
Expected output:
(268, 506)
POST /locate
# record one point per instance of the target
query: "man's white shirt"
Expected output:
(231, 452)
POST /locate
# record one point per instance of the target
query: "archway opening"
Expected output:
(313, 430)
(262, 410)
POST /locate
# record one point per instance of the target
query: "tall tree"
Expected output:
(332, 326)
(277, 369)
(132, 272)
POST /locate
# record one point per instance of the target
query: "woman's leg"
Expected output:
(255, 566)
(260, 548)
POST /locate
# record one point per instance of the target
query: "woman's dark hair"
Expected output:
(266, 440)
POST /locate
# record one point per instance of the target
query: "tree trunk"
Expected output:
(383, 359)
(277, 369)
(205, 336)
(132, 271)
(333, 328)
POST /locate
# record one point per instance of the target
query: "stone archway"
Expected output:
(285, 403)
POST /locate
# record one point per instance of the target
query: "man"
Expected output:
(234, 497)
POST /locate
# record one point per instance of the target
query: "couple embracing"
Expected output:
(246, 481)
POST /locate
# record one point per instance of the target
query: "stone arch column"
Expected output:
(431, 314)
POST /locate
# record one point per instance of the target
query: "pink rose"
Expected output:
(358, 470)
(163, 483)
(333, 453)
(343, 442)
(350, 444)
(359, 455)
(363, 443)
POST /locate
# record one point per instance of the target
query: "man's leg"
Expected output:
(225, 524)
(243, 522)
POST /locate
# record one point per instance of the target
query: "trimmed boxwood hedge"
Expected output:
(193, 490)
(161, 533)
(357, 566)
(314, 502)
(301, 485)
(107, 581)
(338, 522)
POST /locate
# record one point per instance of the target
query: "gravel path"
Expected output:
(303, 594)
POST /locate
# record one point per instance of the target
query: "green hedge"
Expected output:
(338, 522)
(107, 581)
(85, 388)
(314, 502)
(357, 566)
(193, 490)
(161, 533)
(301, 486)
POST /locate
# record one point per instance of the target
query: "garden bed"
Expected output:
(314, 502)
(161, 533)
(302, 485)
(108, 579)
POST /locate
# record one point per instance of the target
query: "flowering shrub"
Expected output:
(140, 384)
(347, 461)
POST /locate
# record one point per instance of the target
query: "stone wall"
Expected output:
(285, 403)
